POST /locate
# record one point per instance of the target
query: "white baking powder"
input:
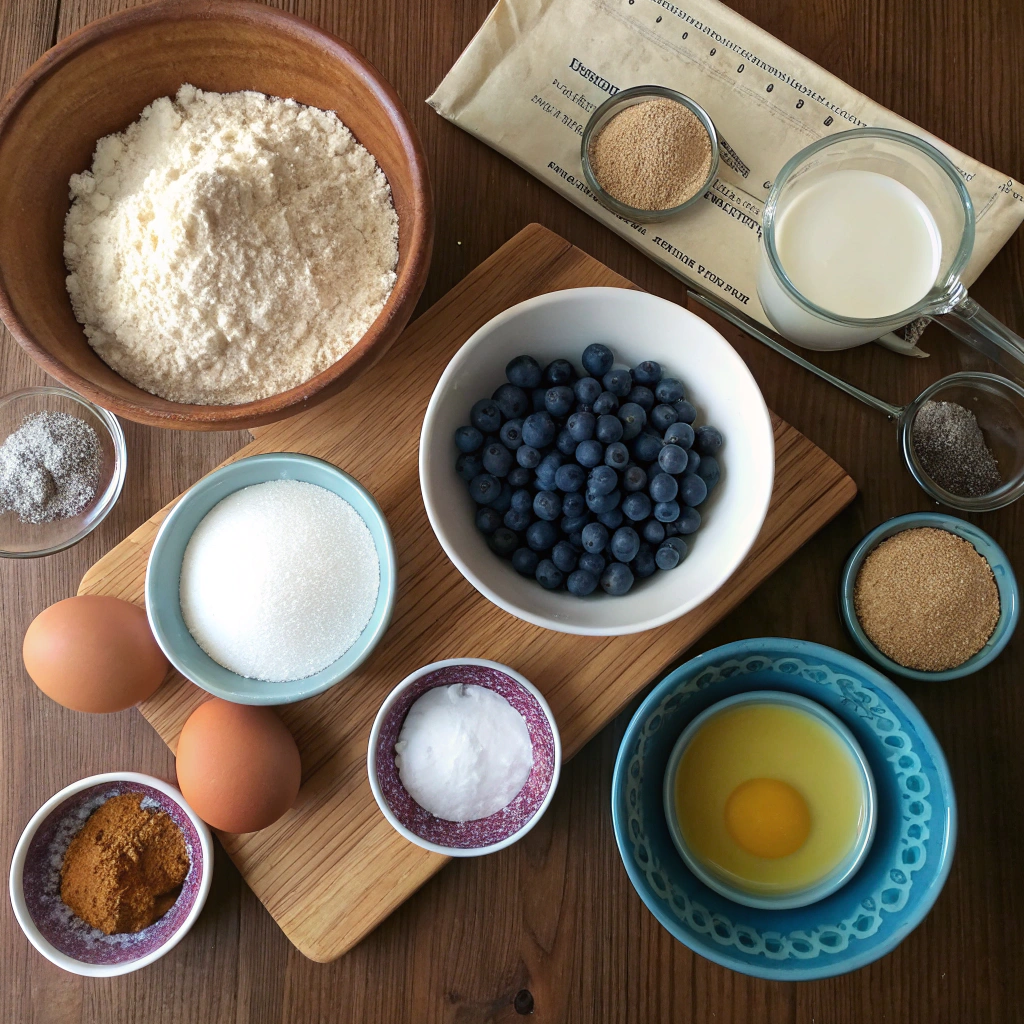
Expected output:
(227, 247)
(279, 580)
(464, 752)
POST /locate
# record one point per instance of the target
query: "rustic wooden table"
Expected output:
(552, 924)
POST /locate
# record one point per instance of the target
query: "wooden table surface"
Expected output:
(552, 924)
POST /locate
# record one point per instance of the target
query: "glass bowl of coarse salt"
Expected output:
(62, 466)
(649, 152)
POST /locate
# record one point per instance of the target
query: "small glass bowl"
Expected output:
(998, 405)
(32, 540)
(1006, 583)
(615, 105)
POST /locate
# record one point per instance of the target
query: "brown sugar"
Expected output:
(927, 599)
(126, 866)
(653, 155)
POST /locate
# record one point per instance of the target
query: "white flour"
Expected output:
(226, 247)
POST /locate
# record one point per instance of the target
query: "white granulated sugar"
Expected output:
(279, 580)
(227, 247)
(464, 752)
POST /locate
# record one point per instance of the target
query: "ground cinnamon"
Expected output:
(126, 866)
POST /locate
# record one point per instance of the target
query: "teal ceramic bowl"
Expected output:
(1006, 583)
(164, 573)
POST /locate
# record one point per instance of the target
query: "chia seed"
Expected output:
(952, 449)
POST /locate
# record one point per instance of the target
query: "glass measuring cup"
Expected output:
(925, 171)
(997, 403)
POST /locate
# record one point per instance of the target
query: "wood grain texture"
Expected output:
(555, 914)
(333, 868)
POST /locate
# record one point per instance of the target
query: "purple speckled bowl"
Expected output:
(59, 935)
(484, 835)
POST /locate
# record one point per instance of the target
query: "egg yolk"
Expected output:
(767, 818)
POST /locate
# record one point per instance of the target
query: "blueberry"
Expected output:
(693, 490)
(525, 561)
(624, 544)
(595, 538)
(692, 461)
(547, 469)
(468, 466)
(644, 564)
(669, 390)
(666, 511)
(592, 562)
(647, 372)
(646, 446)
(571, 524)
(709, 471)
(613, 518)
(523, 372)
(605, 404)
(497, 459)
(688, 521)
(518, 477)
(576, 540)
(513, 402)
(502, 501)
(503, 541)
(597, 359)
(559, 401)
(599, 503)
(547, 505)
(679, 433)
(486, 416)
(468, 439)
(570, 477)
(662, 417)
(548, 575)
(636, 506)
(574, 505)
(581, 425)
(590, 453)
(672, 458)
(644, 397)
(671, 553)
(487, 520)
(616, 579)
(608, 429)
(633, 419)
(522, 500)
(564, 556)
(602, 480)
(538, 430)
(517, 520)
(581, 583)
(541, 535)
(586, 390)
(511, 434)
(634, 479)
(484, 488)
(565, 442)
(709, 440)
(653, 531)
(618, 382)
(663, 487)
(557, 372)
(537, 396)
(685, 412)
(528, 457)
(616, 455)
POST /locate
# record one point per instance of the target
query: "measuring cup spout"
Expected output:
(983, 332)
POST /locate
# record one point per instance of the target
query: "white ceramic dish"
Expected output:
(635, 326)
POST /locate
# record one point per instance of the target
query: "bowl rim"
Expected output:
(844, 869)
(1006, 583)
(371, 757)
(409, 283)
(806, 649)
(368, 639)
(28, 926)
(439, 393)
(114, 487)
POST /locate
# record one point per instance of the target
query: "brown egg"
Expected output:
(238, 765)
(94, 654)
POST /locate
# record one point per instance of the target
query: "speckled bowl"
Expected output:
(64, 939)
(485, 835)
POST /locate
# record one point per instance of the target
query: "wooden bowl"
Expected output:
(98, 81)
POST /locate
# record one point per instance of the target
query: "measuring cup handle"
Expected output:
(982, 331)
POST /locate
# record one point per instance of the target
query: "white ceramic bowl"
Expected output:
(35, 886)
(485, 835)
(636, 326)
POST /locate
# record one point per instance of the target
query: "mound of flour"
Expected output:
(226, 247)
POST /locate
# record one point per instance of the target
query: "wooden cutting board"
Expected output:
(332, 869)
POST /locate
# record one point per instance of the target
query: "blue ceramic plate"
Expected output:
(164, 573)
(909, 859)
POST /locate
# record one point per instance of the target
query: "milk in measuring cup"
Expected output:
(856, 243)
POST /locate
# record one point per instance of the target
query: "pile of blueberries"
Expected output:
(587, 480)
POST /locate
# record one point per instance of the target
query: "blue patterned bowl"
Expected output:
(911, 854)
